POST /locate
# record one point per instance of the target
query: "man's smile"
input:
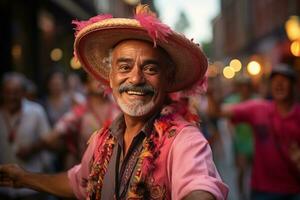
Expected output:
(137, 90)
(130, 92)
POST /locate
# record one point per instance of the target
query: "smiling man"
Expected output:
(137, 77)
(151, 151)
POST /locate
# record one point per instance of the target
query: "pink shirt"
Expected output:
(189, 167)
(272, 171)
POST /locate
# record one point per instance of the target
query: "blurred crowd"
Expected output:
(254, 132)
(49, 132)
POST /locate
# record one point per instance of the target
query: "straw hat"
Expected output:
(98, 35)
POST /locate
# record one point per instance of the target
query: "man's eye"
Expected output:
(124, 68)
(151, 69)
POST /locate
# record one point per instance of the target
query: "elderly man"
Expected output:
(150, 151)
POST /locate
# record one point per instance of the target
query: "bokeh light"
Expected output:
(16, 51)
(295, 48)
(236, 65)
(253, 68)
(75, 64)
(292, 27)
(228, 72)
(56, 54)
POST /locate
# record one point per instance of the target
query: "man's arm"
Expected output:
(198, 194)
(199, 178)
(13, 176)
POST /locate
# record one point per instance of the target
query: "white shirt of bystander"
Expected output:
(30, 125)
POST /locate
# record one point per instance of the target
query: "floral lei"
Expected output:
(146, 163)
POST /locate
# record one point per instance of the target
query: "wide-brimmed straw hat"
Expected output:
(96, 37)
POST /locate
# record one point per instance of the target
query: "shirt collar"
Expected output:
(117, 127)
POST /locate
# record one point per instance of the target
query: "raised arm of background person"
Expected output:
(12, 175)
(216, 110)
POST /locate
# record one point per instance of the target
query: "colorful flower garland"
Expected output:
(99, 167)
(146, 163)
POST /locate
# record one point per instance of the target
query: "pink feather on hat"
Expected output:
(79, 25)
(148, 20)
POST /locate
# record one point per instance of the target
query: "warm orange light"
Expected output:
(228, 72)
(75, 64)
(292, 27)
(236, 65)
(56, 54)
(16, 51)
(253, 68)
(295, 48)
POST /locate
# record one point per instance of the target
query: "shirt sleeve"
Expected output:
(244, 112)
(78, 175)
(76, 178)
(190, 166)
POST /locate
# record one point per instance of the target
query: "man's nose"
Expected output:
(136, 76)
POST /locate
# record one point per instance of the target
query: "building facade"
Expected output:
(32, 29)
(247, 28)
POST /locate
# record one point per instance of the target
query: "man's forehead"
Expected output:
(138, 45)
(132, 41)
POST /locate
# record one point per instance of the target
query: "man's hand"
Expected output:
(11, 175)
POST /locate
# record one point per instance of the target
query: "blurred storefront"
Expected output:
(37, 35)
(254, 30)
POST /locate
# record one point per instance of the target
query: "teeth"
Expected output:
(135, 93)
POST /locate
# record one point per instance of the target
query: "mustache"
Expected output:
(145, 88)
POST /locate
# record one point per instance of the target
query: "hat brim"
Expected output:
(93, 43)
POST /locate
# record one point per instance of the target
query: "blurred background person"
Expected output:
(75, 127)
(22, 123)
(56, 101)
(75, 88)
(242, 136)
(70, 134)
(31, 90)
(221, 135)
(276, 126)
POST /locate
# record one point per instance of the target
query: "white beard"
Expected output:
(135, 108)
